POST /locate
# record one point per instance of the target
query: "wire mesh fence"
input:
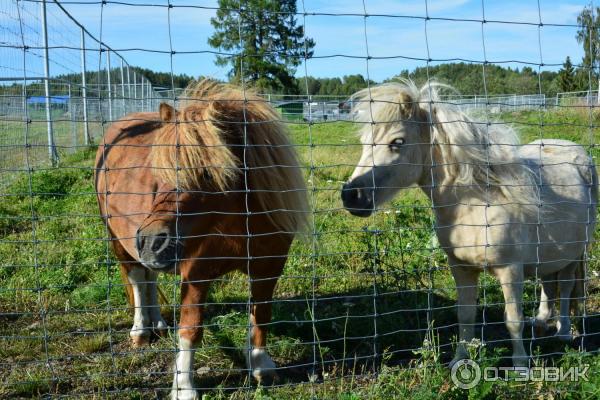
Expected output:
(67, 108)
(228, 250)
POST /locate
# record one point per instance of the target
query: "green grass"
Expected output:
(25, 145)
(64, 321)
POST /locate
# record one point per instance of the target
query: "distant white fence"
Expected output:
(584, 98)
(499, 103)
(65, 82)
(319, 108)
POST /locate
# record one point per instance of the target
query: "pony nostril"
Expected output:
(158, 241)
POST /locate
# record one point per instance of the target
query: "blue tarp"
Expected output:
(53, 100)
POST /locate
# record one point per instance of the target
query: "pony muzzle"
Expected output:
(357, 200)
(156, 250)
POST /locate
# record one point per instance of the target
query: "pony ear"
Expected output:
(407, 105)
(167, 113)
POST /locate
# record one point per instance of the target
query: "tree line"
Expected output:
(584, 76)
(263, 43)
(466, 78)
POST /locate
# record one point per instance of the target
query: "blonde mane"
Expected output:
(196, 151)
(473, 154)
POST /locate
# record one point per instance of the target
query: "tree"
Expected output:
(309, 85)
(589, 35)
(264, 42)
(468, 78)
(566, 76)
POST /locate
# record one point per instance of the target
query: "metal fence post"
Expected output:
(143, 94)
(135, 90)
(151, 96)
(110, 114)
(72, 120)
(122, 90)
(141, 101)
(52, 153)
(86, 133)
(128, 91)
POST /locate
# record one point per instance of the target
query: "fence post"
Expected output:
(122, 90)
(52, 153)
(143, 94)
(146, 96)
(72, 120)
(544, 101)
(128, 91)
(151, 96)
(86, 133)
(141, 103)
(135, 91)
(148, 99)
(110, 114)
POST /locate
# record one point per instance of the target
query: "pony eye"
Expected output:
(396, 143)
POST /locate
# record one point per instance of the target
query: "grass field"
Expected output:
(365, 308)
(25, 145)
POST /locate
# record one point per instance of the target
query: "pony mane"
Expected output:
(196, 151)
(473, 154)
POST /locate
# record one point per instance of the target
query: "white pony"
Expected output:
(512, 210)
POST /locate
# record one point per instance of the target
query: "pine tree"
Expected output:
(566, 76)
(263, 42)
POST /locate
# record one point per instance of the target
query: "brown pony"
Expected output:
(200, 192)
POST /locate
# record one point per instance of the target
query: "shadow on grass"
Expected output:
(313, 340)
(355, 332)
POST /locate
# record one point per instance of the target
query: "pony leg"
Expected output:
(566, 283)
(140, 332)
(157, 322)
(511, 279)
(546, 308)
(259, 361)
(193, 297)
(466, 279)
(134, 275)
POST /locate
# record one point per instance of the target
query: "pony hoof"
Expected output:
(140, 340)
(184, 394)
(455, 360)
(539, 327)
(161, 332)
(161, 329)
(265, 378)
(263, 368)
(520, 361)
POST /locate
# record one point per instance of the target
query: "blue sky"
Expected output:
(340, 40)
